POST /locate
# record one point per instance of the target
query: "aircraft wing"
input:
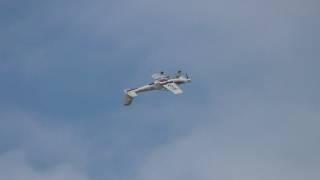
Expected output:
(173, 87)
(159, 76)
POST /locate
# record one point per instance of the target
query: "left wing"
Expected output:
(159, 76)
(173, 87)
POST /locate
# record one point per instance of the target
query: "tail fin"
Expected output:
(128, 97)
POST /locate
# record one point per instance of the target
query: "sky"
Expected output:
(251, 112)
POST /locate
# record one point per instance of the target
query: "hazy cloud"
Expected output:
(251, 111)
(246, 137)
(14, 166)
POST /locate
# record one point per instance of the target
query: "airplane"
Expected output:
(161, 82)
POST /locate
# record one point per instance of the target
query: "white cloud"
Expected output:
(34, 148)
(14, 166)
(245, 138)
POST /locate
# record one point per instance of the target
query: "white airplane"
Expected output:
(161, 82)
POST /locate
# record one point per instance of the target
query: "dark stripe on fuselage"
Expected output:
(131, 89)
(168, 83)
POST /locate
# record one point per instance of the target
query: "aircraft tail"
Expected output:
(128, 97)
(127, 100)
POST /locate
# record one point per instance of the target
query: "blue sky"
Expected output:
(251, 112)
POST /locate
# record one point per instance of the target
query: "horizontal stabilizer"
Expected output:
(132, 93)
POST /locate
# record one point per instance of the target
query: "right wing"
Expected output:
(173, 87)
